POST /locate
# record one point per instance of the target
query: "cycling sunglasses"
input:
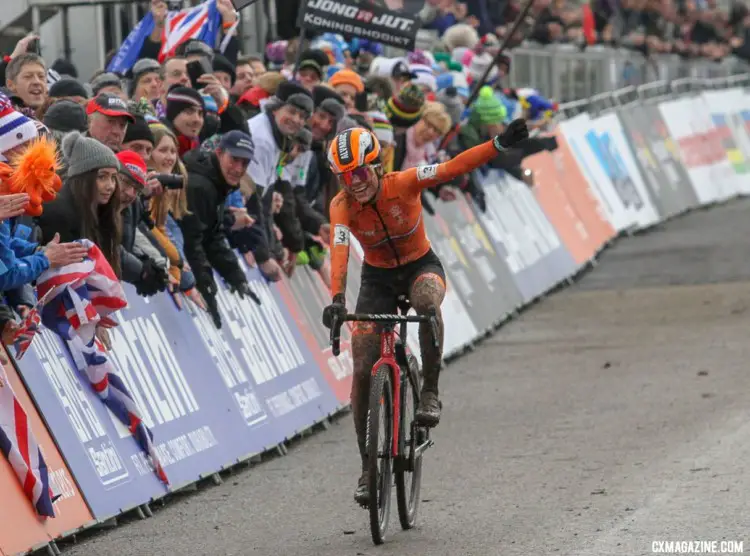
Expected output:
(362, 174)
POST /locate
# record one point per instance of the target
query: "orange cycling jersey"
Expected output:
(391, 230)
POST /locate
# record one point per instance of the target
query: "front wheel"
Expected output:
(380, 452)
(409, 467)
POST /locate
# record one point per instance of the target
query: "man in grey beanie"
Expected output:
(108, 82)
(146, 81)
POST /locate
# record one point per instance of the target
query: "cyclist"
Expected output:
(384, 213)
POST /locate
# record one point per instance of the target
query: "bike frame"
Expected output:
(389, 356)
(391, 351)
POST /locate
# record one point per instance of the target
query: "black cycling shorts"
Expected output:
(380, 287)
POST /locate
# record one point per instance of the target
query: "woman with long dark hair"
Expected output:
(88, 205)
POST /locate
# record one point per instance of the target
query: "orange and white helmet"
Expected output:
(352, 149)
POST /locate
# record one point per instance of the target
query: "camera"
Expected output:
(171, 181)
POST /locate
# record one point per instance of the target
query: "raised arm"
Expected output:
(423, 177)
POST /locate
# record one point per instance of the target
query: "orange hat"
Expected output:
(347, 77)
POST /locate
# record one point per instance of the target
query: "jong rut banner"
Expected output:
(366, 21)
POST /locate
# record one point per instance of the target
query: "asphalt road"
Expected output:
(609, 416)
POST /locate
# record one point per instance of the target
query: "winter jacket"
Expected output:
(206, 245)
(20, 263)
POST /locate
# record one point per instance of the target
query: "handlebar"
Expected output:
(335, 338)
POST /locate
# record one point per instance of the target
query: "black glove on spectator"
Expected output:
(154, 279)
(515, 132)
(243, 290)
(335, 309)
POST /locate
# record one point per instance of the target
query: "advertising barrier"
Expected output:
(20, 526)
(216, 397)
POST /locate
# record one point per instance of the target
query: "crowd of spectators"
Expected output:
(175, 167)
(689, 28)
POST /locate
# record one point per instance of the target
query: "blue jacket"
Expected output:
(20, 263)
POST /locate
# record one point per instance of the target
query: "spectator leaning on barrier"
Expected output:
(88, 205)
(272, 131)
(152, 267)
(169, 205)
(211, 177)
(26, 79)
(108, 120)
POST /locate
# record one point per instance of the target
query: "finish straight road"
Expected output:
(610, 415)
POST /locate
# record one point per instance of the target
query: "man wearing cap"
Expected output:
(108, 119)
(211, 177)
(272, 131)
(185, 113)
(146, 80)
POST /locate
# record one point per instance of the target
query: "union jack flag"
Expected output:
(79, 297)
(202, 22)
(19, 446)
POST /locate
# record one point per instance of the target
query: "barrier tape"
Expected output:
(214, 398)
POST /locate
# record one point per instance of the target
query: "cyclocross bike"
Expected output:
(394, 396)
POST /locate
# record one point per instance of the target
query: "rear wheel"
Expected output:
(409, 468)
(379, 452)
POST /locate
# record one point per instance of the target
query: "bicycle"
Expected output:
(393, 375)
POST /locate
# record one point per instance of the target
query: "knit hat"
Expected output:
(452, 102)
(182, 98)
(195, 46)
(488, 109)
(382, 127)
(479, 65)
(347, 77)
(133, 166)
(423, 76)
(139, 131)
(15, 128)
(329, 100)
(141, 68)
(83, 154)
(296, 95)
(66, 115)
(405, 109)
(68, 87)
(221, 63)
(314, 59)
(64, 67)
(107, 79)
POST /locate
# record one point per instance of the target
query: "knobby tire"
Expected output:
(408, 483)
(380, 458)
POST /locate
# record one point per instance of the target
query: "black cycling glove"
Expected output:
(335, 309)
(515, 132)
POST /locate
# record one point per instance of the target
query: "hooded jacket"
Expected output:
(206, 245)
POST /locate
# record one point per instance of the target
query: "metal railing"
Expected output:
(566, 73)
